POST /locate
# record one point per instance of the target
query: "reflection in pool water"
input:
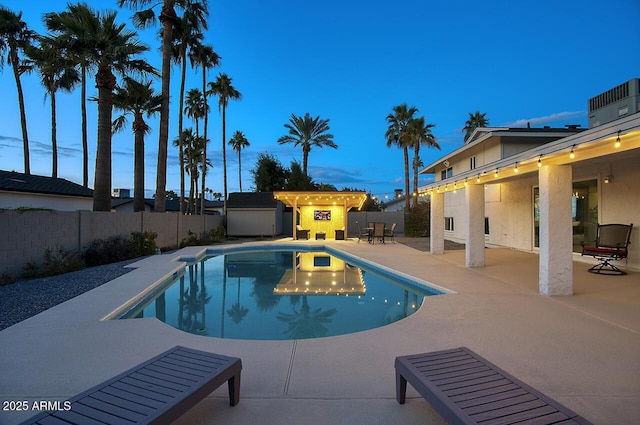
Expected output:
(280, 295)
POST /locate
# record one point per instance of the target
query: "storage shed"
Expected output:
(254, 214)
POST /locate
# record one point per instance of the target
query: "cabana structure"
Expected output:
(322, 213)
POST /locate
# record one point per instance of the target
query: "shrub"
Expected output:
(144, 243)
(216, 235)
(110, 250)
(55, 262)
(6, 279)
(191, 240)
(417, 221)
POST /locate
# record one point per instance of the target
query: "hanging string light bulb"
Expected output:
(572, 154)
(617, 145)
(515, 169)
(540, 161)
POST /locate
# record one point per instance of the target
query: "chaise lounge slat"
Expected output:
(464, 388)
(157, 391)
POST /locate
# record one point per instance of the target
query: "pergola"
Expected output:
(322, 213)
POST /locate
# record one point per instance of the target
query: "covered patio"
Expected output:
(323, 214)
(607, 155)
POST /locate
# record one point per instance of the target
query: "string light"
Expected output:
(540, 161)
(515, 170)
(572, 155)
(496, 173)
(617, 145)
(478, 179)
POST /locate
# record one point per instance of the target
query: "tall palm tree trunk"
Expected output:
(224, 156)
(105, 82)
(206, 141)
(85, 138)
(23, 116)
(180, 144)
(305, 158)
(138, 167)
(54, 141)
(239, 170)
(416, 160)
(167, 17)
(406, 178)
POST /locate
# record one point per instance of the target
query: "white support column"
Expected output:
(474, 245)
(556, 240)
(437, 223)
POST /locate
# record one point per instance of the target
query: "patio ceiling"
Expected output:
(593, 143)
(296, 199)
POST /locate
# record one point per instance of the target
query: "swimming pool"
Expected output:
(280, 294)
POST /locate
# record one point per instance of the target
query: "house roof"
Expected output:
(508, 135)
(170, 204)
(252, 200)
(12, 181)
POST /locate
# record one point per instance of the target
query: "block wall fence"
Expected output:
(26, 236)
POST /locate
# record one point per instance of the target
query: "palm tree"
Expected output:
(475, 120)
(168, 19)
(307, 132)
(137, 99)
(194, 107)
(75, 50)
(398, 134)
(420, 134)
(225, 91)
(239, 142)
(187, 33)
(56, 73)
(110, 48)
(14, 36)
(203, 55)
(192, 159)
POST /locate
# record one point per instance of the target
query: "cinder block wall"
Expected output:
(27, 235)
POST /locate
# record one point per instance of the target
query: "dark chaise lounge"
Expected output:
(157, 391)
(467, 389)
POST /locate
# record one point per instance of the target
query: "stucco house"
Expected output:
(19, 190)
(542, 190)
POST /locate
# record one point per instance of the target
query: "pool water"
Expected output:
(275, 295)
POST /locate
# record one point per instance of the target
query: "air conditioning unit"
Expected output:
(615, 103)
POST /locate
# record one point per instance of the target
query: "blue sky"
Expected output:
(351, 62)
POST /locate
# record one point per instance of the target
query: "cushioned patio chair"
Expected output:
(612, 243)
(302, 233)
(388, 233)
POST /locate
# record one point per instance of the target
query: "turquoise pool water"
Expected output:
(275, 295)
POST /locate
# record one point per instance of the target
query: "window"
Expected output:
(445, 174)
(472, 163)
(448, 223)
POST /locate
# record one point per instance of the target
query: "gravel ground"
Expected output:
(23, 299)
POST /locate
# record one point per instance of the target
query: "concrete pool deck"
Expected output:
(582, 350)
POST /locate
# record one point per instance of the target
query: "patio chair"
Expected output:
(302, 233)
(388, 233)
(363, 233)
(612, 243)
(378, 232)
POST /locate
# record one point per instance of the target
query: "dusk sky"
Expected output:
(351, 62)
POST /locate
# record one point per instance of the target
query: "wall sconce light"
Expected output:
(608, 179)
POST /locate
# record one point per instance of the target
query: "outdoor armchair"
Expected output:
(612, 243)
(302, 233)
